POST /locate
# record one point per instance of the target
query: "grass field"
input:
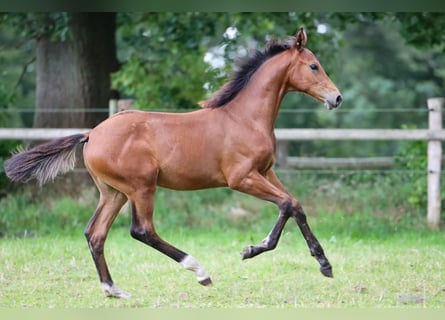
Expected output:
(382, 253)
(402, 271)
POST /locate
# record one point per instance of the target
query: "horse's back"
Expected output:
(178, 149)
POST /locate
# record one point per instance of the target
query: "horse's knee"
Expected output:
(95, 243)
(88, 232)
(137, 233)
(146, 236)
(297, 210)
(291, 207)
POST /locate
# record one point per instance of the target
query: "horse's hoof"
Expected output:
(115, 292)
(122, 295)
(327, 271)
(206, 282)
(247, 252)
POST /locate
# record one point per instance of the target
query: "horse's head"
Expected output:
(307, 75)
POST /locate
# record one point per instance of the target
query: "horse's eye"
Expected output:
(313, 66)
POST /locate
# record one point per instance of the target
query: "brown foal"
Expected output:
(228, 142)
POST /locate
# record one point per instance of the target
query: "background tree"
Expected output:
(75, 54)
(173, 60)
(170, 61)
(165, 56)
(73, 72)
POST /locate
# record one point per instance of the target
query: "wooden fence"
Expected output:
(434, 135)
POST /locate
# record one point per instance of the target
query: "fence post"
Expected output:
(282, 154)
(112, 102)
(112, 107)
(434, 163)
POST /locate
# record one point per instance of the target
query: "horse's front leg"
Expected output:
(270, 242)
(268, 187)
(312, 242)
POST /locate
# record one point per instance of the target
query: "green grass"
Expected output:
(405, 270)
(382, 253)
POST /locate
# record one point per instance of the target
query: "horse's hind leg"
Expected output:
(111, 201)
(142, 229)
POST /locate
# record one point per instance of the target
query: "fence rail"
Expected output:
(282, 135)
(339, 163)
(37, 134)
(359, 134)
(434, 135)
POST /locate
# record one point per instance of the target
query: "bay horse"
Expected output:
(229, 142)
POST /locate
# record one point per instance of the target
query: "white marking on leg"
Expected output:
(113, 291)
(191, 264)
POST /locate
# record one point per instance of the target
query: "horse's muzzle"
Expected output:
(333, 103)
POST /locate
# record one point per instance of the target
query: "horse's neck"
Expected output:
(260, 100)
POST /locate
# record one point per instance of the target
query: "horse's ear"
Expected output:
(301, 39)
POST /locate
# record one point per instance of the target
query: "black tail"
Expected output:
(45, 161)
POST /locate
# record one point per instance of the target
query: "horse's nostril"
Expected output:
(338, 100)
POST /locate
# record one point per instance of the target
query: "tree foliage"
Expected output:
(384, 78)
(163, 54)
(170, 61)
(379, 60)
(423, 29)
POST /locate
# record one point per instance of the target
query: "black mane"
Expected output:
(245, 72)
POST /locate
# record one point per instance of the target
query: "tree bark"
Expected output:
(73, 76)
(72, 80)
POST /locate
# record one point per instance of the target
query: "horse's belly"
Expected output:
(185, 176)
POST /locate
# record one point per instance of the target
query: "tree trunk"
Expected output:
(73, 76)
(73, 81)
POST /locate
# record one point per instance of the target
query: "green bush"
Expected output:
(413, 158)
(351, 204)
(23, 214)
(5, 152)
